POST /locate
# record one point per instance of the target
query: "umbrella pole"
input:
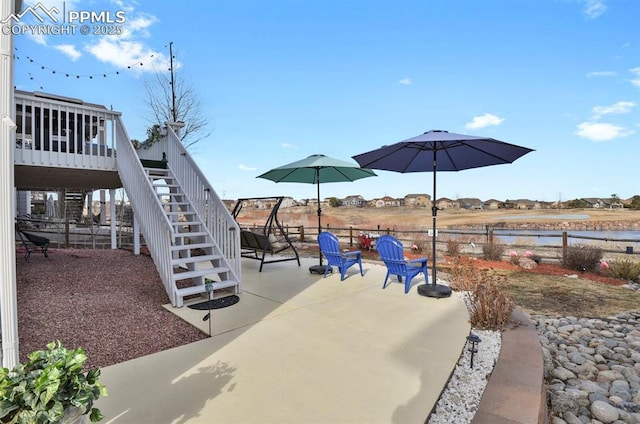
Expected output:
(318, 269)
(434, 289)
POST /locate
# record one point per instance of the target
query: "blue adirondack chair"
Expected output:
(330, 248)
(392, 254)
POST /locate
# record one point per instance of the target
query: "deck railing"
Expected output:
(63, 132)
(210, 208)
(147, 208)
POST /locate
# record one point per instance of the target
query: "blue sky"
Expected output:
(283, 79)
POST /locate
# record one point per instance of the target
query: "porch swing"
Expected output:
(256, 242)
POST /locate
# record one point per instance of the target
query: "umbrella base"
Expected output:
(434, 290)
(319, 269)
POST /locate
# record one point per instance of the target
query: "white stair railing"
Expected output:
(147, 208)
(217, 218)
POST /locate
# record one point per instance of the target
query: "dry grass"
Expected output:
(559, 295)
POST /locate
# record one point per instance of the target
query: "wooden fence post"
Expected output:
(301, 229)
(66, 234)
(564, 246)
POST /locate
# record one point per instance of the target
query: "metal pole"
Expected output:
(434, 290)
(434, 213)
(319, 211)
(173, 87)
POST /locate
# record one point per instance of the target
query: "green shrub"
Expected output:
(624, 269)
(581, 257)
(493, 251)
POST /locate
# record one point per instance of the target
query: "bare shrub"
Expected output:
(490, 307)
(453, 248)
(493, 251)
(464, 274)
(582, 257)
(624, 269)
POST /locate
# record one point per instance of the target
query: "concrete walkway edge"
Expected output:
(516, 391)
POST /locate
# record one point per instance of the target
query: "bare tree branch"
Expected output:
(189, 108)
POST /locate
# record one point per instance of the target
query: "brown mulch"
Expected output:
(109, 302)
(549, 269)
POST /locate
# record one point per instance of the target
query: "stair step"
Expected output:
(193, 259)
(191, 246)
(166, 185)
(200, 288)
(157, 175)
(181, 213)
(191, 234)
(187, 223)
(157, 171)
(198, 273)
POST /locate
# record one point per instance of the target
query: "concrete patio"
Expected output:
(299, 348)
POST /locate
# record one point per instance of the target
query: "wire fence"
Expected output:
(548, 245)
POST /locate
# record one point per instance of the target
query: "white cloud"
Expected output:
(125, 54)
(483, 121)
(244, 167)
(594, 8)
(138, 26)
(616, 108)
(69, 50)
(601, 74)
(128, 50)
(597, 131)
(636, 80)
(405, 81)
(289, 146)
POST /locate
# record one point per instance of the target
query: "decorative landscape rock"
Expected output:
(592, 368)
(527, 263)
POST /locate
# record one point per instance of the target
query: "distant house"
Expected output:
(493, 204)
(599, 203)
(595, 202)
(288, 202)
(471, 203)
(519, 204)
(387, 201)
(417, 200)
(354, 200)
(446, 203)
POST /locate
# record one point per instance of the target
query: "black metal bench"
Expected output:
(37, 241)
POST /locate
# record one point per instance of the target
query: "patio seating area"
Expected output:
(299, 348)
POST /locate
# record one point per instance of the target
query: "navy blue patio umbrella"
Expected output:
(434, 151)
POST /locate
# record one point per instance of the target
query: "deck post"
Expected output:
(112, 214)
(8, 294)
(136, 236)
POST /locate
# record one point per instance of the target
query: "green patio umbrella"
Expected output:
(317, 169)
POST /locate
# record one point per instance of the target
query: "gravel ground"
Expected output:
(109, 302)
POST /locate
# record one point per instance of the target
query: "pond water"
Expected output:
(567, 216)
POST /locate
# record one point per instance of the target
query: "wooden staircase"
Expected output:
(194, 254)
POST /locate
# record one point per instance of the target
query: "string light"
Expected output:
(44, 67)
